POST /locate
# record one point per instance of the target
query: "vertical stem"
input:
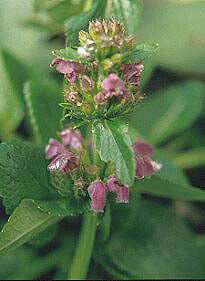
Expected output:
(83, 253)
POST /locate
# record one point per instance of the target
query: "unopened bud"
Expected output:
(117, 59)
(107, 64)
(86, 83)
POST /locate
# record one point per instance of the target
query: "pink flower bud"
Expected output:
(53, 148)
(133, 72)
(121, 190)
(86, 83)
(72, 138)
(98, 193)
(100, 98)
(113, 85)
(126, 95)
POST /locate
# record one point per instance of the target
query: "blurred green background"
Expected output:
(161, 238)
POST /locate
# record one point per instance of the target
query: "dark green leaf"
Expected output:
(23, 173)
(42, 100)
(150, 241)
(81, 21)
(26, 221)
(113, 144)
(170, 111)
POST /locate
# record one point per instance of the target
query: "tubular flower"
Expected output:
(72, 138)
(145, 165)
(61, 158)
(133, 72)
(113, 85)
(98, 193)
(121, 190)
(71, 69)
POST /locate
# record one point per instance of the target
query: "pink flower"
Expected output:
(100, 98)
(53, 148)
(98, 193)
(65, 161)
(145, 165)
(132, 73)
(113, 85)
(61, 158)
(72, 138)
(121, 190)
(71, 69)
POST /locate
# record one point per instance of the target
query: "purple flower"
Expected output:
(72, 138)
(71, 69)
(132, 73)
(98, 193)
(145, 165)
(121, 190)
(113, 85)
(53, 148)
(61, 158)
(65, 161)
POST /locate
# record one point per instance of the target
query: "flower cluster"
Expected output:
(66, 157)
(106, 78)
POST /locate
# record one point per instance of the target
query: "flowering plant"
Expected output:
(94, 161)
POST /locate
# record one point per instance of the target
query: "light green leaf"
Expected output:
(26, 221)
(42, 100)
(170, 111)
(113, 144)
(142, 52)
(69, 54)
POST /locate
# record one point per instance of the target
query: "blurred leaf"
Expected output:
(45, 237)
(23, 172)
(170, 111)
(113, 144)
(128, 11)
(25, 222)
(11, 109)
(42, 100)
(81, 21)
(151, 243)
(179, 28)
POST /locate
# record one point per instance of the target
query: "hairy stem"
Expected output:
(83, 253)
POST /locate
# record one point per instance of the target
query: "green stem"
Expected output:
(83, 253)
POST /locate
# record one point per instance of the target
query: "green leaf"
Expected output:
(69, 54)
(11, 108)
(142, 52)
(23, 173)
(170, 183)
(113, 144)
(149, 241)
(170, 111)
(128, 11)
(81, 21)
(42, 100)
(26, 221)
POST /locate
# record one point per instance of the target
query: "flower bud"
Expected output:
(86, 83)
(117, 59)
(107, 64)
(83, 37)
(100, 98)
(98, 193)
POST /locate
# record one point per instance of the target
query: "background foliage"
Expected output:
(161, 233)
